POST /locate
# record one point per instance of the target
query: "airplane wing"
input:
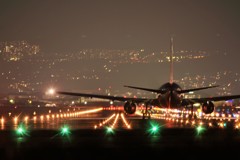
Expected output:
(113, 98)
(219, 98)
(161, 92)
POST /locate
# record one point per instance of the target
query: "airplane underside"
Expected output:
(148, 111)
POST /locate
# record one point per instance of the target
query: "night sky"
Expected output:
(60, 25)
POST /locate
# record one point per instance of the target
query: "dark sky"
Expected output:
(116, 24)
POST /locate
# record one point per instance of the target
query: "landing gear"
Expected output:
(147, 112)
(146, 115)
(192, 115)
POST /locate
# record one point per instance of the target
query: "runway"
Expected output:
(91, 136)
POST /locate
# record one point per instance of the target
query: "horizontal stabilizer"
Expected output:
(196, 89)
(145, 89)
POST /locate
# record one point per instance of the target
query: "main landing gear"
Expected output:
(192, 115)
(147, 112)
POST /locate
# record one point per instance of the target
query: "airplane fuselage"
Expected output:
(170, 96)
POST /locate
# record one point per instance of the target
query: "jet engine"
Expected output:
(130, 107)
(207, 107)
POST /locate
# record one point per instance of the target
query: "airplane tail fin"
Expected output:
(171, 61)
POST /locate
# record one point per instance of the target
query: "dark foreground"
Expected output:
(122, 144)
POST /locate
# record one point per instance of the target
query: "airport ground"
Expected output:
(88, 136)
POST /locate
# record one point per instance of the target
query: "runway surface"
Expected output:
(95, 136)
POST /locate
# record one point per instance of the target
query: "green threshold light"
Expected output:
(109, 130)
(200, 130)
(21, 130)
(154, 128)
(65, 131)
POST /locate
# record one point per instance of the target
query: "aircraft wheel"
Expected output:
(143, 117)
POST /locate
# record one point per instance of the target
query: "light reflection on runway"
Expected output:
(99, 117)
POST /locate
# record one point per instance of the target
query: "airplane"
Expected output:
(170, 96)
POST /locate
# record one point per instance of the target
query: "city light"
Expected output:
(51, 91)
